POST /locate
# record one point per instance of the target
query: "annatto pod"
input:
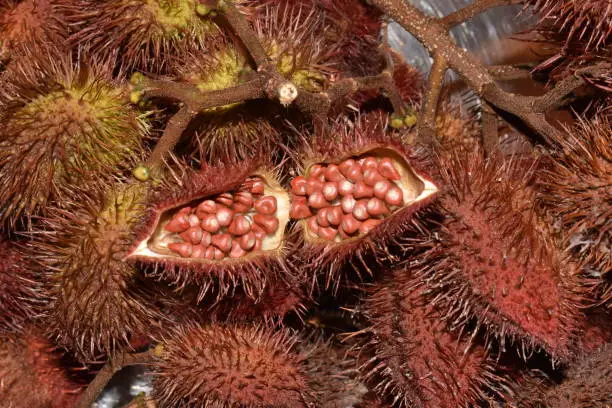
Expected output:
(574, 190)
(244, 366)
(20, 296)
(220, 227)
(64, 121)
(97, 299)
(491, 260)
(358, 189)
(28, 25)
(415, 361)
(32, 373)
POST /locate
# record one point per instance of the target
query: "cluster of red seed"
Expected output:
(346, 200)
(229, 224)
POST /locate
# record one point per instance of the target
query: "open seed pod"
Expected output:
(490, 259)
(64, 121)
(219, 227)
(97, 298)
(358, 189)
(415, 361)
(32, 373)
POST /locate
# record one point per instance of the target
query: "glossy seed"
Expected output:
(240, 208)
(360, 211)
(244, 197)
(395, 196)
(317, 200)
(334, 215)
(206, 239)
(322, 217)
(247, 241)
(316, 171)
(388, 170)
(259, 232)
(313, 226)
(347, 204)
(198, 251)
(313, 185)
(184, 249)
(363, 191)
(178, 223)
(266, 205)
(369, 225)
(369, 163)
(237, 251)
(268, 222)
(328, 233)
(298, 185)
(224, 216)
(377, 207)
(381, 188)
(345, 187)
(332, 173)
(193, 235)
(240, 225)
(355, 174)
(209, 253)
(219, 255)
(193, 220)
(226, 199)
(206, 207)
(330, 190)
(346, 165)
(258, 187)
(222, 241)
(299, 211)
(372, 176)
(350, 224)
(210, 223)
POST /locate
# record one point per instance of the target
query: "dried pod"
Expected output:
(32, 373)
(20, 297)
(228, 366)
(220, 227)
(28, 25)
(574, 190)
(143, 33)
(97, 299)
(63, 122)
(489, 258)
(415, 360)
(379, 185)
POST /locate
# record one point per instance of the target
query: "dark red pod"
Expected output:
(221, 226)
(380, 184)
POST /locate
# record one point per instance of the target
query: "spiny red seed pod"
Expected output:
(20, 298)
(63, 121)
(247, 366)
(358, 189)
(415, 361)
(144, 34)
(28, 25)
(220, 227)
(488, 260)
(32, 373)
(97, 298)
(574, 191)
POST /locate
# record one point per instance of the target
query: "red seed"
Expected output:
(258, 245)
(209, 253)
(355, 174)
(227, 199)
(360, 211)
(334, 215)
(222, 241)
(322, 217)
(240, 225)
(343, 235)
(206, 207)
(240, 208)
(206, 239)
(350, 224)
(316, 171)
(298, 185)
(381, 188)
(184, 249)
(244, 198)
(313, 226)
(268, 222)
(317, 200)
(237, 251)
(313, 185)
(178, 223)
(198, 251)
(266, 205)
(247, 241)
(346, 165)
(377, 207)
(330, 190)
(218, 254)
(193, 220)
(369, 163)
(372, 176)
(345, 187)
(193, 235)
(224, 216)
(347, 204)
(363, 191)
(299, 211)
(395, 196)
(332, 173)
(388, 170)
(369, 225)
(328, 233)
(210, 223)
(259, 232)
(259, 187)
